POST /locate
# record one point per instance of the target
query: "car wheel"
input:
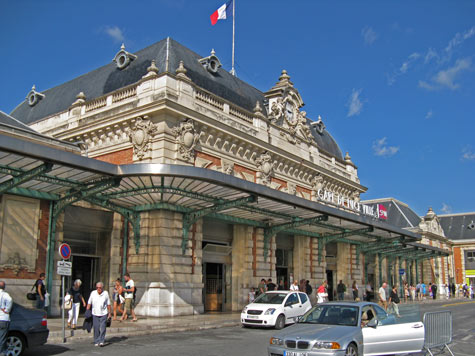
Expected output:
(15, 344)
(351, 350)
(280, 322)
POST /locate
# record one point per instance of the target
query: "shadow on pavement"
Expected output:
(115, 339)
(46, 350)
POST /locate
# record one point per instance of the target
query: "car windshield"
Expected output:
(332, 315)
(271, 298)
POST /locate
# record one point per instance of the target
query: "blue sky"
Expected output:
(394, 81)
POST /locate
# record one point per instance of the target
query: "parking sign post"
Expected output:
(64, 269)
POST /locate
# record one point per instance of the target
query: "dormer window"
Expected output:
(34, 97)
(319, 125)
(211, 63)
(123, 58)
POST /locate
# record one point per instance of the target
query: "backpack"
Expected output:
(135, 292)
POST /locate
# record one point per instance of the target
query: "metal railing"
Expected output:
(438, 331)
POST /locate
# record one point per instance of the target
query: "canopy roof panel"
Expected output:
(30, 169)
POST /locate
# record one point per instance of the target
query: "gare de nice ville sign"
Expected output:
(378, 211)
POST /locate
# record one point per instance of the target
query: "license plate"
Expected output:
(252, 317)
(293, 353)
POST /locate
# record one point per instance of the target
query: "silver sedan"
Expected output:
(349, 329)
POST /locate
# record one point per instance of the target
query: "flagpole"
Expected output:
(233, 71)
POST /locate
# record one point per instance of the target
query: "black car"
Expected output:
(28, 328)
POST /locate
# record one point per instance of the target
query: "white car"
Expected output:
(276, 309)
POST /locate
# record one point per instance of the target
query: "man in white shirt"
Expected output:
(129, 298)
(6, 303)
(295, 285)
(100, 304)
(383, 300)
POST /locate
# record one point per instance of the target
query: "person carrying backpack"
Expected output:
(130, 293)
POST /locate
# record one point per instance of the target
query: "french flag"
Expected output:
(224, 12)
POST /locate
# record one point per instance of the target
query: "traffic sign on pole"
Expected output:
(64, 268)
(65, 251)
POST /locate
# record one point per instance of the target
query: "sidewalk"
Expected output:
(145, 326)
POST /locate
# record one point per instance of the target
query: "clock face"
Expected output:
(289, 111)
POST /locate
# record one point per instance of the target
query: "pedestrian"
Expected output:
(418, 291)
(383, 301)
(129, 298)
(413, 292)
(447, 291)
(471, 291)
(40, 291)
(423, 290)
(340, 290)
(308, 288)
(77, 299)
(295, 285)
(354, 288)
(369, 291)
(302, 285)
(434, 291)
(453, 290)
(281, 285)
(322, 293)
(394, 300)
(6, 303)
(100, 305)
(262, 287)
(270, 285)
(406, 292)
(251, 296)
(118, 298)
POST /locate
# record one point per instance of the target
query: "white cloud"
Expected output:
(431, 54)
(369, 35)
(467, 154)
(429, 114)
(447, 209)
(406, 64)
(459, 38)
(446, 78)
(381, 148)
(355, 105)
(404, 67)
(115, 33)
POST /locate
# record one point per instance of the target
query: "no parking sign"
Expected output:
(65, 251)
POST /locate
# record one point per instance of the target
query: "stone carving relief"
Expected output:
(187, 139)
(141, 135)
(319, 125)
(265, 167)
(227, 167)
(15, 263)
(285, 111)
(317, 183)
(291, 188)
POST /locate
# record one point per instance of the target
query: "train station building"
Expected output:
(164, 165)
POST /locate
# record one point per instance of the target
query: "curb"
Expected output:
(56, 337)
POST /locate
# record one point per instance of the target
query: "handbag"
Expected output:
(68, 302)
(108, 322)
(31, 296)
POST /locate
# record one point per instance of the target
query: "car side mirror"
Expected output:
(288, 304)
(373, 323)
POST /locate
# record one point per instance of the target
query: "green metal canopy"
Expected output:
(43, 172)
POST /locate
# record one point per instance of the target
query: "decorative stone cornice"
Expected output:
(141, 135)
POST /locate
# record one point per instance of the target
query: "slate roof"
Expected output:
(399, 214)
(458, 226)
(167, 54)
(6, 119)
